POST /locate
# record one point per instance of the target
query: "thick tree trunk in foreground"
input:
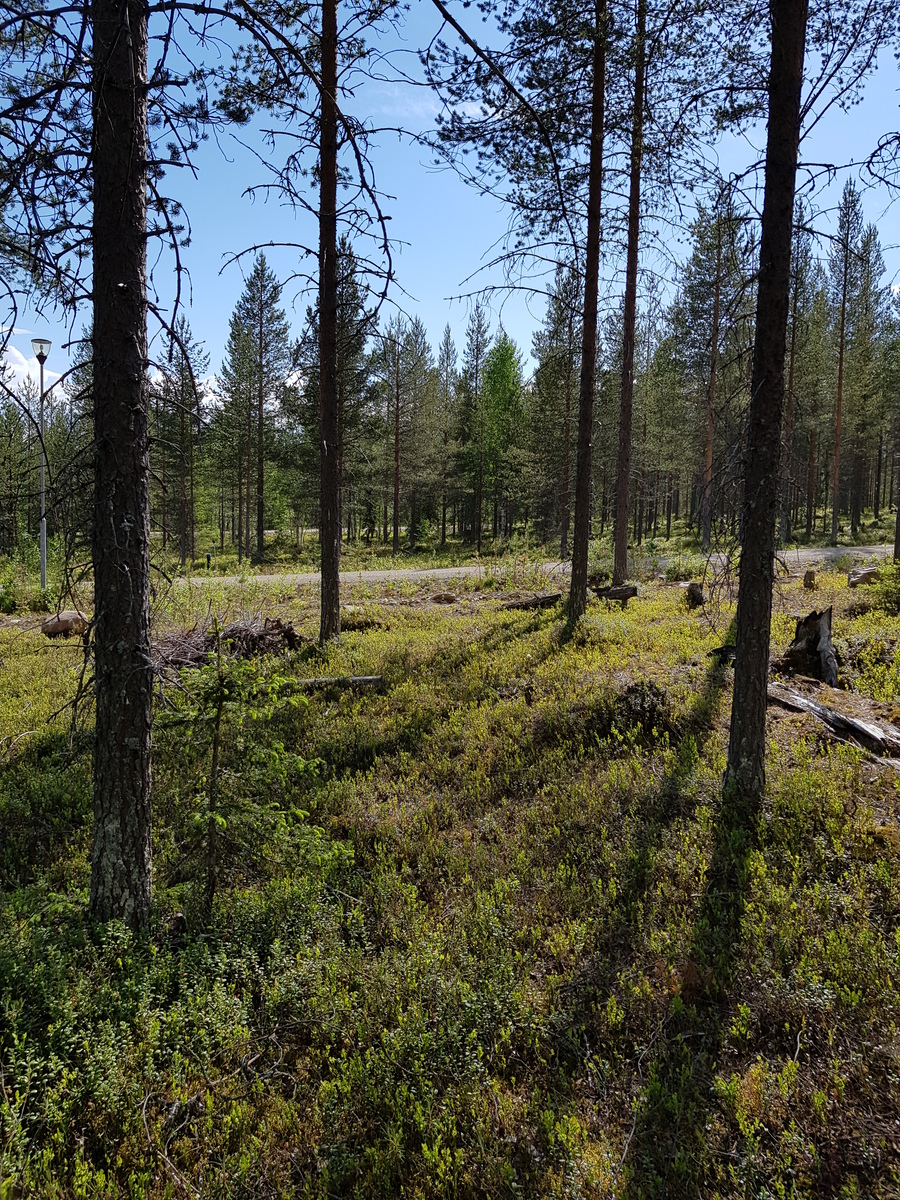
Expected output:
(583, 453)
(120, 863)
(626, 398)
(329, 496)
(745, 773)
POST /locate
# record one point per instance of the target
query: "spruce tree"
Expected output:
(258, 359)
(843, 277)
(472, 424)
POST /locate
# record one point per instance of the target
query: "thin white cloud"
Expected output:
(23, 368)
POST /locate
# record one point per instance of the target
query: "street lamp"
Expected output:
(41, 348)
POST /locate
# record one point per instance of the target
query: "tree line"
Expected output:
(460, 444)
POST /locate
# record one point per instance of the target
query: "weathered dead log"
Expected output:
(863, 575)
(623, 593)
(444, 598)
(356, 682)
(811, 652)
(534, 602)
(879, 739)
(64, 624)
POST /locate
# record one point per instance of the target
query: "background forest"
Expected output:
(456, 447)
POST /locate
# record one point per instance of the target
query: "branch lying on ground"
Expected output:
(878, 739)
(242, 639)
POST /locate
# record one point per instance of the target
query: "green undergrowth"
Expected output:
(488, 932)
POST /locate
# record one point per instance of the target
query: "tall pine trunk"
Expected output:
(583, 452)
(329, 495)
(787, 457)
(260, 445)
(396, 541)
(120, 862)
(626, 398)
(565, 502)
(745, 773)
(706, 500)
(839, 400)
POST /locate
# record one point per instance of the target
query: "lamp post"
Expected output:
(41, 347)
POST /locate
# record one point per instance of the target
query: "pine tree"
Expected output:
(552, 408)
(471, 435)
(502, 389)
(234, 427)
(446, 399)
(262, 342)
(177, 402)
(843, 274)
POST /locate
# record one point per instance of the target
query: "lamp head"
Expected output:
(41, 348)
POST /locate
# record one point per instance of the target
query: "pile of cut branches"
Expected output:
(242, 639)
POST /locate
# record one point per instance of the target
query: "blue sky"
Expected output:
(445, 230)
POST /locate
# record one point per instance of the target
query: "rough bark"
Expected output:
(329, 496)
(120, 863)
(626, 396)
(745, 772)
(583, 453)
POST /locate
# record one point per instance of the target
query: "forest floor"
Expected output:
(489, 931)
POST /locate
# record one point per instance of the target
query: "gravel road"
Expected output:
(799, 559)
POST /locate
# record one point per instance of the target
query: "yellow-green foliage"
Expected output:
(490, 932)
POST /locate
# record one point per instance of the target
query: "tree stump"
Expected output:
(812, 652)
(694, 595)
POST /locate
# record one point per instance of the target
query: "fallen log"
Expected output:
(812, 651)
(863, 575)
(358, 682)
(879, 739)
(622, 593)
(534, 602)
